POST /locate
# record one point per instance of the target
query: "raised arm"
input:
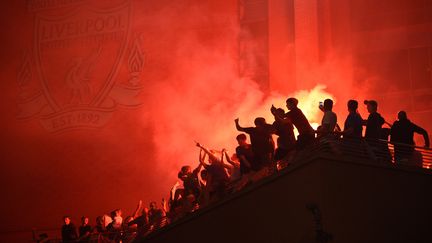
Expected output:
(238, 127)
(228, 159)
(423, 132)
(198, 168)
(282, 118)
(173, 190)
(210, 154)
(227, 166)
(164, 206)
(139, 207)
(202, 157)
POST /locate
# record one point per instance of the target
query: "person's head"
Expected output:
(181, 176)
(241, 139)
(84, 220)
(66, 220)
(99, 220)
(372, 105)
(279, 112)
(186, 169)
(402, 115)
(352, 105)
(153, 205)
(184, 172)
(291, 103)
(116, 213)
(328, 104)
(260, 122)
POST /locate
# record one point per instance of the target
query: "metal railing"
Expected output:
(379, 151)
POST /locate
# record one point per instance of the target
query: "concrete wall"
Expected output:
(358, 203)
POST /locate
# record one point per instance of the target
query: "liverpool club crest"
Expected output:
(76, 59)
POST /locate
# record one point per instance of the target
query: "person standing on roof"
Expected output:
(374, 122)
(262, 143)
(375, 132)
(285, 131)
(299, 120)
(353, 124)
(402, 133)
(329, 120)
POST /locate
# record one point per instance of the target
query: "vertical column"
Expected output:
(282, 63)
(253, 41)
(306, 41)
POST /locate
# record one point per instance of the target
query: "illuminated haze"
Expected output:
(192, 92)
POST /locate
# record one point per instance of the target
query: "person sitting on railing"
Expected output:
(299, 120)
(175, 202)
(128, 224)
(402, 134)
(262, 143)
(100, 227)
(106, 220)
(285, 132)
(117, 219)
(190, 181)
(155, 216)
(69, 231)
(217, 177)
(115, 226)
(84, 230)
(353, 128)
(329, 120)
(245, 155)
(141, 221)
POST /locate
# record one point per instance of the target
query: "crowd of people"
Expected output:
(219, 174)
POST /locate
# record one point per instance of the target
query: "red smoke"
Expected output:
(192, 92)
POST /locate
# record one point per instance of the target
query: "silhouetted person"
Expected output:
(285, 132)
(245, 155)
(217, 178)
(190, 180)
(84, 230)
(374, 131)
(117, 218)
(374, 122)
(69, 231)
(329, 120)
(403, 131)
(299, 120)
(261, 140)
(155, 216)
(141, 221)
(100, 227)
(353, 124)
